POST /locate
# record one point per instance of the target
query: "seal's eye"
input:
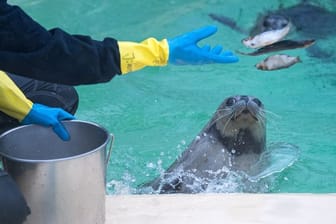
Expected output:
(230, 101)
(257, 101)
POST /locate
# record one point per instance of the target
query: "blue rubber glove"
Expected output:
(184, 50)
(49, 116)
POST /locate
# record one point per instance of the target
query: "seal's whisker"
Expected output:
(262, 119)
(271, 113)
(223, 115)
(263, 123)
(270, 118)
(272, 121)
(224, 109)
(227, 122)
(262, 116)
(220, 117)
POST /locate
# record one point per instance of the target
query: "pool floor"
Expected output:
(156, 112)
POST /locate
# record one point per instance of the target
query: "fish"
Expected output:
(278, 61)
(266, 38)
(280, 46)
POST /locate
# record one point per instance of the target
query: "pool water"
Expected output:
(156, 112)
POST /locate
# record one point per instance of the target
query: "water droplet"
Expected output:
(150, 165)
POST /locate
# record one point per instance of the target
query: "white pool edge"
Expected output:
(221, 208)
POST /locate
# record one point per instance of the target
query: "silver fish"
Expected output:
(278, 61)
(266, 38)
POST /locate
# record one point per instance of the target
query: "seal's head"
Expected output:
(274, 22)
(270, 22)
(240, 121)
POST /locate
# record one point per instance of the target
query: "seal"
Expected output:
(278, 61)
(232, 140)
(309, 20)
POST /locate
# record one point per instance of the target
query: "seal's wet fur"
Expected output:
(232, 140)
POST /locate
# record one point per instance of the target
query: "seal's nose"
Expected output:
(245, 111)
(245, 98)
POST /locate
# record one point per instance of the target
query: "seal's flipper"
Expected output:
(318, 52)
(173, 186)
(304, 2)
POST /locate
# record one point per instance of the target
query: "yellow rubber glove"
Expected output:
(150, 52)
(15, 104)
(12, 101)
(180, 50)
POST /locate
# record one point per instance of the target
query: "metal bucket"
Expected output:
(63, 182)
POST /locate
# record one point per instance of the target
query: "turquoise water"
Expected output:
(156, 112)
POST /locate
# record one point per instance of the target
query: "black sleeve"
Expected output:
(13, 206)
(28, 49)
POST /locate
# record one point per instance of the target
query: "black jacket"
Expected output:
(28, 49)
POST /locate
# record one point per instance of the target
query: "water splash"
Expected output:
(277, 158)
(123, 186)
(274, 160)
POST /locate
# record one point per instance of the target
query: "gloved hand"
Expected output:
(49, 116)
(183, 49)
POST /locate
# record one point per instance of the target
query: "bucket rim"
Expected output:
(13, 158)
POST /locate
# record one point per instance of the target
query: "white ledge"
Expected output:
(221, 208)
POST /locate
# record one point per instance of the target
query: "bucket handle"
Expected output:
(109, 150)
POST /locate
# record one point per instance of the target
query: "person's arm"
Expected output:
(28, 49)
(14, 103)
(180, 50)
